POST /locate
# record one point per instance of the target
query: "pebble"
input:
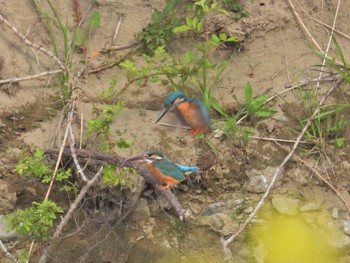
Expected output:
(335, 213)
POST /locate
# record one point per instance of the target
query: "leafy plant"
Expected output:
(35, 220)
(232, 5)
(328, 125)
(160, 30)
(35, 166)
(80, 36)
(255, 106)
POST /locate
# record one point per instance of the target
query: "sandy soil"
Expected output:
(274, 55)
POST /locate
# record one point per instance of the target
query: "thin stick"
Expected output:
(11, 80)
(81, 130)
(328, 45)
(30, 250)
(329, 27)
(7, 253)
(278, 140)
(300, 84)
(116, 32)
(31, 44)
(59, 155)
(68, 215)
(226, 242)
(116, 48)
(304, 27)
(72, 149)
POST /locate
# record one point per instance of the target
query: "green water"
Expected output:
(304, 238)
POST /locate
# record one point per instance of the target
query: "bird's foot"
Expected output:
(161, 187)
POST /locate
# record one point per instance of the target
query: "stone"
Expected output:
(5, 234)
(286, 204)
(221, 223)
(335, 213)
(257, 182)
(310, 207)
(346, 226)
(7, 198)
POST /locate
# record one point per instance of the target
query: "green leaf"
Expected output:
(213, 6)
(248, 94)
(340, 142)
(232, 39)
(123, 144)
(182, 28)
(79, 37)
(194, 22)
(188, 21)
(200, 26)
(215, 38)
(223, 37)
(217, 108)
(95, 20)
(264, 112)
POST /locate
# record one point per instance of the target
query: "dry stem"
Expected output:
(7, 253)
(31, 44)
(36, 76)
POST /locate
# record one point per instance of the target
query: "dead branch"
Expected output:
(72, 208)
(7, 253)
(11, 80)
(120, 162)
(31, 44)
(225, 242)
(117, 28)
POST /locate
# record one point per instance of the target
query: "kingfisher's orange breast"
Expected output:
(164, 179)
(192, 116)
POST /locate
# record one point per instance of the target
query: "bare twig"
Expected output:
(7, 253)
(72, 149)
(31, 44)
(328, 45)
(120, 162)
(329, 27)
(277, 140)
(11, 80)
(116, 48)
(226, 242)
(72, 208)
(116, 32)
(304, 27)
(60, 153)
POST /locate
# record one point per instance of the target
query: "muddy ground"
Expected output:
(275, 53)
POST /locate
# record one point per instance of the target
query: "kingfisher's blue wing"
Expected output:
(169, 168)
(187, 169)
(202, 110)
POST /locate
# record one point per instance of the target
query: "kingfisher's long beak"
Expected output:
(135, 158)
(164, 111)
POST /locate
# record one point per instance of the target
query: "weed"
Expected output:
(160, 30)
(34, 166)
(232, 5)
(79, 39)
(34, 220)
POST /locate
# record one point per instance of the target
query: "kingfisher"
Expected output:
(167, 172)
(192, 111)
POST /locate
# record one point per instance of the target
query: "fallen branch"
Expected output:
(120, 162)
(72, 208)
(11, 80)
(31, 44)
(8, 254)
(117, 28)
(226, 242)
